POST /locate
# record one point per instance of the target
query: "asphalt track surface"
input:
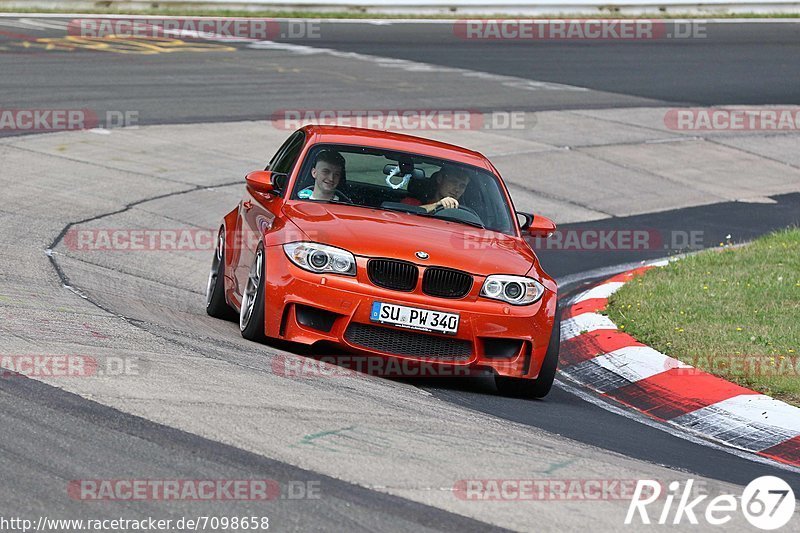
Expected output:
(72, 435)
(731, 64)
(742, 64)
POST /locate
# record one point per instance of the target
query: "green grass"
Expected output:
(734, 312)
(356, 13)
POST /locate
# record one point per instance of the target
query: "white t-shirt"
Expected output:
(306, 194)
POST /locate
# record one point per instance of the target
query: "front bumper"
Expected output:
(310, 308)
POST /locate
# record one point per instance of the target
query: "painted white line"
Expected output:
(34, 24)
(748, 422)
(601, 291)
(781, 20)
(673, 140)
(763, 410)
(735, 430)
(635, 363)
(385, 62)
(602, 272)
(584, 323)
(47, 24)
(678, 432)
(416, 66)
(19, 25)
(606, 272)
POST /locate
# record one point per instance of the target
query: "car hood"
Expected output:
(379, 233)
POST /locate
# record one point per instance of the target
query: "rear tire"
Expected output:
(216, 305)
(251, 313)
(539, 387)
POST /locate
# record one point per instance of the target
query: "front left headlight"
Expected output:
(321, 258)
(516, 290)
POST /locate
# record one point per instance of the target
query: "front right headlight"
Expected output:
(321, 258)
(516, 290)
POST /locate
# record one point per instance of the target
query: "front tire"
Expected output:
(251, 313)
(216, 305)
(539, 387)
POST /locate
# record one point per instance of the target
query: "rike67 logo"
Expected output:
(767, 503)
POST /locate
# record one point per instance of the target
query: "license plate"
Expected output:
(414, 318)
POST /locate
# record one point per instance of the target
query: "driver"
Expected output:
(328, 173)
(451, 182)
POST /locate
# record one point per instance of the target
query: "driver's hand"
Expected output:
(448, 203)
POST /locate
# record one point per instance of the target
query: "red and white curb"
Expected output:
(596, 354)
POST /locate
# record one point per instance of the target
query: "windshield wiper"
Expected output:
(403, 208)
(468, 222)
(409, 212)
(337, 202)
(398, 209)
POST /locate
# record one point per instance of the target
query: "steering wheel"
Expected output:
(344, 197)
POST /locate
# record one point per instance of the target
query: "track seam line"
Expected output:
(137, 323)
(90, 164)
(51, 255)
(560, 199)
(646, 172)
(131, 274)
(761, 156)
(578, 113)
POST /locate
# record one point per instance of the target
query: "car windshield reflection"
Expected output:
(410, 183)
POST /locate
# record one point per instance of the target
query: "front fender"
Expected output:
(282, 231)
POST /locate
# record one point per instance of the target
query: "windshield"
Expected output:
(399, 181)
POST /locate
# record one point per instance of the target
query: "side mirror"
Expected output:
(538, 225)
(260, 181)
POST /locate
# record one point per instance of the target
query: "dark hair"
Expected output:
(331, 157)
(452, 171)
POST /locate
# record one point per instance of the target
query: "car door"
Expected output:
(258, 211)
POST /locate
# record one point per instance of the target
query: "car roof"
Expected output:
(396, 141)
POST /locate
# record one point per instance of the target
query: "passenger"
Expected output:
(451, 182)
(328, 173)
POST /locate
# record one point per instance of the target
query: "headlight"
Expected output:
(516, 290)
(321, 258)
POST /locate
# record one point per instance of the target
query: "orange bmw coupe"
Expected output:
(392, 246)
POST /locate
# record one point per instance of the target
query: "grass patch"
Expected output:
(361, 14)
(733, 312)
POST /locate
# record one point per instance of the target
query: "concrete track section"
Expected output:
(191, 383)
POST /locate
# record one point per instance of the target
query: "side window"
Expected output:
(280, 151)
(286, 157)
